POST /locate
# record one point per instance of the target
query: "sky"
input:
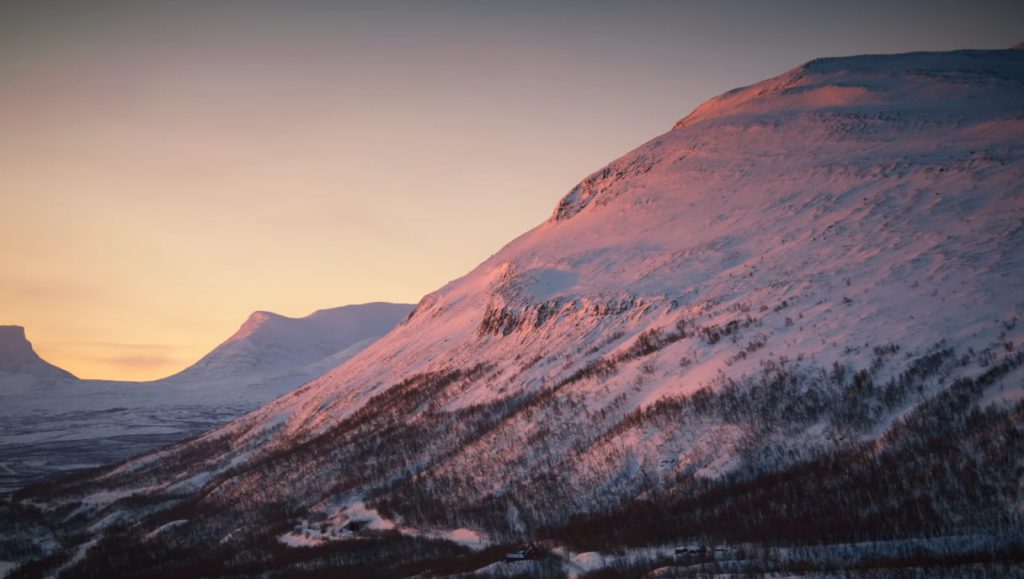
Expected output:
(166, 168)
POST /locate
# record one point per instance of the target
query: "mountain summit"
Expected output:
(793, 317)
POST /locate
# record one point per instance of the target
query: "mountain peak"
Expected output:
(324, 320)
(254, 322)
(267, 340)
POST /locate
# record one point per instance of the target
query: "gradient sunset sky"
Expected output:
(168, 168)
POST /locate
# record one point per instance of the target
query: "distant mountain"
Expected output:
(50, 422)
(281, 353)
(791, 321)
(18, 361)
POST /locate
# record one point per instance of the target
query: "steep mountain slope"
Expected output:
(823, 271)
(53, 423)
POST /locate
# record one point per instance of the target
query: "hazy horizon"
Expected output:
(168, 169)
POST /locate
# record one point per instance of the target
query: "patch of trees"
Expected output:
(947, 468)
(22, 526)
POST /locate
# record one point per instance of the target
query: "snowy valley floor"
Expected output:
(38, 445)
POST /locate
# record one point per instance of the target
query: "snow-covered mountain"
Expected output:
(793, 316)
(277, 353)
(52, 422)
(20, 365)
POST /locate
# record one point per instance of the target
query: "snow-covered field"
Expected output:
(37, 445)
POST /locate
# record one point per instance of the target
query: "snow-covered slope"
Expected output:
(796, 267)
